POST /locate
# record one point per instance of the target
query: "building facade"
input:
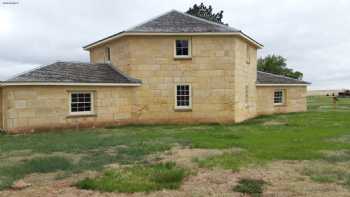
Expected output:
(173, 69)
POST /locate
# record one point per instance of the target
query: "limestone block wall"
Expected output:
(295, 100)
(31, 108)
(210, 72)
(218, 72)
(245, 80)
(120, 54)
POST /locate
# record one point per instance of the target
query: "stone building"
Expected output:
(175, 68)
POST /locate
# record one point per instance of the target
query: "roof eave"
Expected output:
(69, 84)
(281, 84)
(123, 33)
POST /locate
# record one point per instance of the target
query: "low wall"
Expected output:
(33, 108)
(295, 100)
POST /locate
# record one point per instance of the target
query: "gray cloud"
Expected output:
(312, 35)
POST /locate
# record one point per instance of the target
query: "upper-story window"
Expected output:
(108, 54)
(182, 48)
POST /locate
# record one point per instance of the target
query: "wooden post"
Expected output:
(335, 102)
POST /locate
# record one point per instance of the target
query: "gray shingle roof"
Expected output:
(74, 72)
(179, 22)
(268, 78)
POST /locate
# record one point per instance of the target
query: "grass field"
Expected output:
(295, 136)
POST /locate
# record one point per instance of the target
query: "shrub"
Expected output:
(250, 186)
(168, 175)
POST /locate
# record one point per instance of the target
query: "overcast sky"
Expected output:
(313, 35)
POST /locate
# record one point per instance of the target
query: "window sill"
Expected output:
(81, 115)
(183, 57)
(183, 109)
(279, 105)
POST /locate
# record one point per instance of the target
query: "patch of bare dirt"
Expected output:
(274, 123)
(185, 156)
(47, 179)
(284, 179)
(49, 185)
(20, 185)
(195, 128)
(204, 183)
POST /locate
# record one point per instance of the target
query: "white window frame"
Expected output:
(190, 97)
(91, 112)
(283, 96)
(189, 49)
(108, 54)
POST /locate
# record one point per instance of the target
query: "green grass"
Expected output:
(340, 156)
(323, 103)
(252, 187)
(328, 174)
(233, 161)
(139, 178)
(302, 136)
(36, 165)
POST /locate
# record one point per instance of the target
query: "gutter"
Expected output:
(70, 84)
(274, 85)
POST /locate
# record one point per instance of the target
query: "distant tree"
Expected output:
(205, 12)
(277, 65)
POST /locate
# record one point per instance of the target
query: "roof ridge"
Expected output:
(207, 21)
(185, 14)
(149, 20)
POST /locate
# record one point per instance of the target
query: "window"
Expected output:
(278, 97)
(248, 54)
(81, 103)
(183, 96)
(108, 54)
(182, 48)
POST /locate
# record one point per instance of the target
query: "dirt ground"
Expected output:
(284, 179)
